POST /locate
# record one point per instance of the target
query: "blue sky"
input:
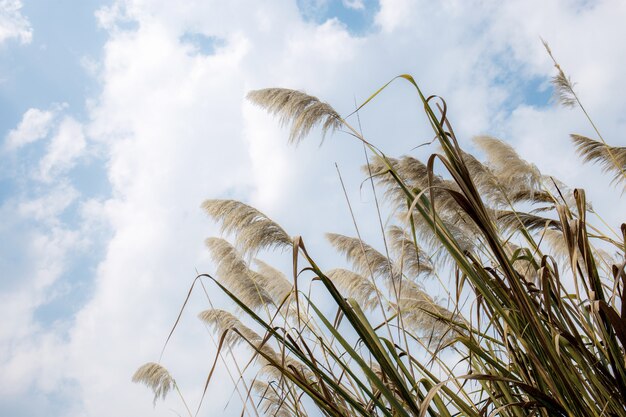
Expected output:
(50, 72)
(50, 67)
(118, 117)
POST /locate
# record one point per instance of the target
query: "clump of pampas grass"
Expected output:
(492, 292)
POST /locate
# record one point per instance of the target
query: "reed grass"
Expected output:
(533, 322)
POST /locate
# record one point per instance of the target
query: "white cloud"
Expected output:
(394, 13)
(354, 4)
(48, 207)
(43, 258)
(65, 147)
(39, 248)
(13, 25)
(175, 131)
(34, 126)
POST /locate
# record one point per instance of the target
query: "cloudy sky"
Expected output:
(119, 117)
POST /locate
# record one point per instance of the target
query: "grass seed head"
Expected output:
(300, 109)
(253, 230)
(156, 377)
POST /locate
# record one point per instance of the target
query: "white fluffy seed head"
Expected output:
(273, 402)
(364, 258)
(423, 314)
(273, 281)
(300, 109)
(355, 286)
(611, 158)
(233, 272)
(511, 171)
(412, 259)
(156, 377)
(223, 321)
(253, 230)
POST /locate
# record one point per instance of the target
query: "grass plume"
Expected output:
(356, 286)
(253, 230)
(233, 271)
(411, 257)
(364, 258)
(611, 158)
(512, 172)
(156, 377)
(299, 109)
(273, 281)
(225, 322)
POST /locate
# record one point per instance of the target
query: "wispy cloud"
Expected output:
(354, 4)
(34, 126)
(65, 147)
(14, 25)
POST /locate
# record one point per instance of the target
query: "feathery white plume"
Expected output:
(222, 321)
(556, 242)
(512, 172)
(253, 230)
(414, 175)
(483, 178)
(364, 258)
(273, 281)
(464, 236)
(272, 403)
(300, 109)
(233, 272)
(413, 259)
(611, 158)
(156, 377)
(422, 313)
(380, 172)
(563, 85)
(356, 286)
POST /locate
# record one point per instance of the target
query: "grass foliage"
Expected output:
(533, 322)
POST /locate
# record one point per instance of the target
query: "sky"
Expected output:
(119, 117)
